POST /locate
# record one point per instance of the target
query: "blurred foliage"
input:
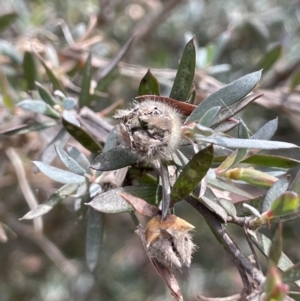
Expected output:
(49, 52)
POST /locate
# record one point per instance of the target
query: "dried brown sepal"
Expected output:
(166, 275)
(184, 107)
(170, 241)
(140, 205)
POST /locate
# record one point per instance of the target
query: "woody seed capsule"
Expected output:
(170, 241)
(151, 129)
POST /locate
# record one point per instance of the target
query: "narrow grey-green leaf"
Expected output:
(272, 161)
(209, 116)
(112, 202)
(71, 117)
(82, 136)
(192, 174)
(228, 206)
(185, 74)
(8, 101)
(38, 106)
(149, 85)
(79, 203)
(202, 130)
(84, 95)
(215, 207)
(7, 19)
(45, 95)
(49, 154)
(192, 96)
(295, 80)
(247, 143)
(267, 131)
(226, 126)
(69, 162)
(235, 157)
(78, 156)
(222, 40)
(229, 111)
(30, 69)
(180, 159)
(113, 65)
(243, 133)
(10, 50)
(276, 246)
(270, 58)
(94, 238)
(227, 95)
(295, 186)
(277, 189)
(94, 189)
(112, 140)
(256, 203)
(69, 103)
(27, 128)
(219, 183)
(263, 243)
(58, 196)
(166, 190)
(114, 159)
(8, 95)
(285, 204)
(52, 77)
(59, 175)
(292, 274)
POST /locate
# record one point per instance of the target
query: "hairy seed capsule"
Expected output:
(151, 129)
(170, 241)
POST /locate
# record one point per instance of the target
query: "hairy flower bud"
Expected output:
(151, 129)
(170, 241)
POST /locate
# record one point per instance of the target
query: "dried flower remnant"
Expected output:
(170, 241)
(151, 129)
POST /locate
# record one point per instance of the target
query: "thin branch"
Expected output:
(110, 109)
(134, 219)
(90, 28)
(246, 222)
(49, 248)
(246, 283)
(237, 220)
(66, 31)
(294, 293)
(239, 258)
(95, 118)
(25, 188)
(115, 61)
(249, 222)
(37, 235)
(145, 27)
(251, 247)
(280, 75)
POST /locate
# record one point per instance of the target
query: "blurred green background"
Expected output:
(233, 39)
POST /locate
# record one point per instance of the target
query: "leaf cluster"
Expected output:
(219, 158)
(209, 164)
